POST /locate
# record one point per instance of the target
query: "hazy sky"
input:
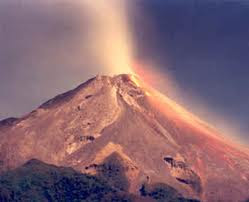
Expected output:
(203, 45)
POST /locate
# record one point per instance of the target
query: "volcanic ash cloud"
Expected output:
(108, 34)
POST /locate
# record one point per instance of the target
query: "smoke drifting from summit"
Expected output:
(109, 37)
(49, 47)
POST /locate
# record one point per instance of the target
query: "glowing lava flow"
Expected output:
(187, 121)
(145, 79)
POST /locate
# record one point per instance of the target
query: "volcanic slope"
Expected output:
(129, 135)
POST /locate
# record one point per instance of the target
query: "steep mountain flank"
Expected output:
(119, 126)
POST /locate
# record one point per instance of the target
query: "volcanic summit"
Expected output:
(120, 131)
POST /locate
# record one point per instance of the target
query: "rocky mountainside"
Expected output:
(131, 137)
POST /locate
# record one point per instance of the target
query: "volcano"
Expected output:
(119, 131)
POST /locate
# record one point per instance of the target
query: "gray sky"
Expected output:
(44, 51)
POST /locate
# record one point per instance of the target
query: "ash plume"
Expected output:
(63, 42)
(109, 34)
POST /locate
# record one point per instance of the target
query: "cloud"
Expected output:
(109, 34)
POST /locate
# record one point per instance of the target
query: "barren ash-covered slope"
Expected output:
(130, 136)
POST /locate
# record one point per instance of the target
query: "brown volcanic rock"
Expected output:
(154, 140)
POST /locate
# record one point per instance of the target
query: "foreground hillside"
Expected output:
(37, 181)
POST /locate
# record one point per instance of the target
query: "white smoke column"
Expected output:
(108, 35)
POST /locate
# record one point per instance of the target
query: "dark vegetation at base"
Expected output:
(113, 171)
(37, 181)
(163, 193)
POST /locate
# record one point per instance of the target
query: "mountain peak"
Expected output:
(154, 139)
(123, 85)
(119, 80)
